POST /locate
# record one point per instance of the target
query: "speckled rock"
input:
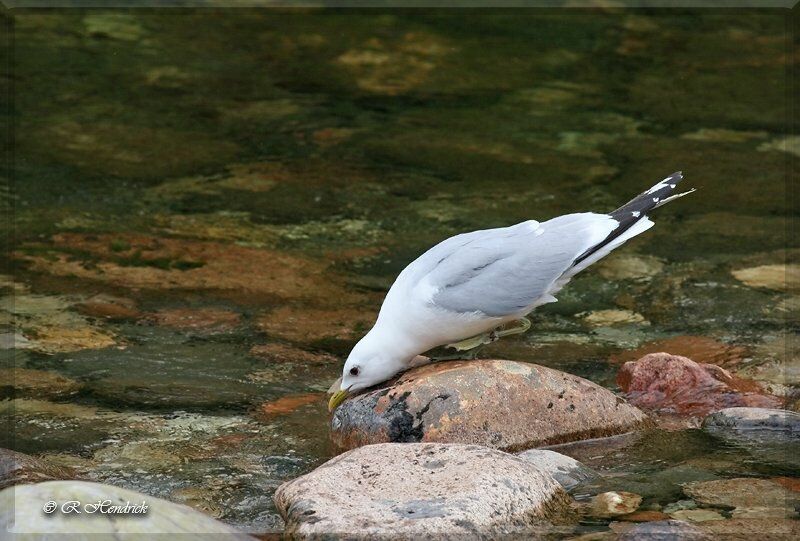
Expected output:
(423, 490)
(751, 529)
(19, 468)
(776, 421)
(678, 385)
(664, 530)
(17, 382)
(21, 513)
(566, 470)
(742, 493)
(768, 435)
(610, 504)
(501, 404)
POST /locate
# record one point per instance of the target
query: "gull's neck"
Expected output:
(391, 341)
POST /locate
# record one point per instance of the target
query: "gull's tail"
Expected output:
(632, 217)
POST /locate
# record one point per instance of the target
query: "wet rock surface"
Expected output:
(566, 470)
(445, 491)
(20, 382)
(21, 513)
(177, 165)
(19, 468)
(501, 404)
(673, 384)
(610, 504)
(754, 421)
(664, 530)
(742, 493)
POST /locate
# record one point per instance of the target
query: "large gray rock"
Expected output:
(19, 468)
(771, 436)
(21, 514)
(566, 470)
(665, 530)
(766, 421)
(506, 405)
(421, 491)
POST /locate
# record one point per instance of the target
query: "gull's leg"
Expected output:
(487, 338)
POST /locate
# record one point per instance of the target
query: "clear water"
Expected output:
(348, 142)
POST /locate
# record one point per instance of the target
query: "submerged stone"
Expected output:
(664, 530)
(22, 382)
(408, 491)
(603, 318)
(202, 320)
(501, 404)
(609, 504)
(742, 492)
(749, 422)
(19, 468)
(678, 385)
(21, 513)
(697, 515)
(778, 277)
(566, 470)
(702, 349)
(282, 353)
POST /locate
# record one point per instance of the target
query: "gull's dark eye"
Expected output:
(354, 371)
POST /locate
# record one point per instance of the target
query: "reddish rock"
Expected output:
(792, 483)
(108, 307)
(644, 516)
(673, 384)
(501, 404)
(700, 348)
(287, 404)
(206, 320)
(21, 469)
(281, 353)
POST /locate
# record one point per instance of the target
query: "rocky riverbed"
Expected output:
(208, 208)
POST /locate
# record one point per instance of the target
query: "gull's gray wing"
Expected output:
(500, 272)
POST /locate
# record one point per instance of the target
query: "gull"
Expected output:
(466, 290)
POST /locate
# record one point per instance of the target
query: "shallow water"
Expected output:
(280, 167)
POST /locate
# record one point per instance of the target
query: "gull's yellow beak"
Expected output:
(337, 398)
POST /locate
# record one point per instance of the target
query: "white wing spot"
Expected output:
(672, 186)
(655, 200)
(636, 213)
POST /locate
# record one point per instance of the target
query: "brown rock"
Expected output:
(36, 383)
(421, 491)
(501, 404)
(674, 384)
(700, 348)
(664, 530)
(766, 529)
(742, 492)
(287, 404)
(308, 325)
(610, 504)
(108, 307)
(644, 516)
(792, 483)
(171, 263)
(205, 320)
(20, 469)
(281, 353)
